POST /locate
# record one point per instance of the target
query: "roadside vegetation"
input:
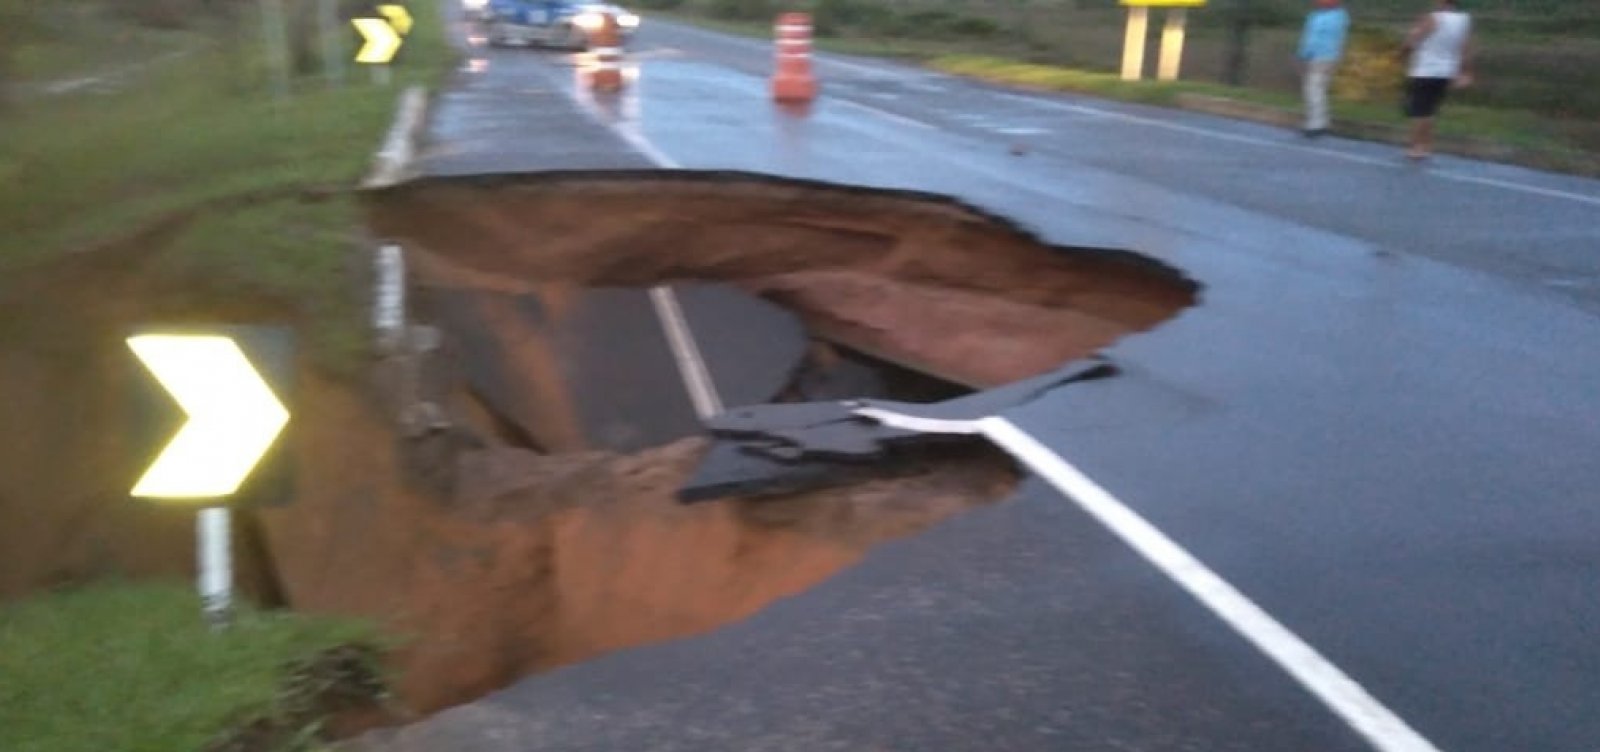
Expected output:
(134, 668)
(119, 114)
(1539, 60)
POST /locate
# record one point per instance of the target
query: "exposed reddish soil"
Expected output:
(541, 560)
(917, 279)
(531, 561)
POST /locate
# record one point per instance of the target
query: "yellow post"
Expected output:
(1172, 44)
(1133, 43)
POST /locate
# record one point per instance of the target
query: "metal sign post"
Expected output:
(1172, 45)
(1133, 42)
(1138, 30)
(215, 558)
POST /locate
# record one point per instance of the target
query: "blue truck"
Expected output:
(565, 24)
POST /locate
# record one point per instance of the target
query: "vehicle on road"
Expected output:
(476, 10)
(565, 24)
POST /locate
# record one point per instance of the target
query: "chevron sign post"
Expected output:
(231, 419)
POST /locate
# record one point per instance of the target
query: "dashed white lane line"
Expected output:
(642, 145)
(685, 349)
(864, 69)
(691, 364)
(885, 114)
(1522, 187)
(1381, 727)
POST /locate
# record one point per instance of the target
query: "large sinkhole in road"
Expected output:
(557, 537)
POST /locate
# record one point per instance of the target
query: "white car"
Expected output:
(551, 23)
(476, 10)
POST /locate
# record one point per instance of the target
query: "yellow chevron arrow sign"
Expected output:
(381, 41)
(233, 416)
(398, 16)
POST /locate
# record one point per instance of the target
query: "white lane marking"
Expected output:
(1254, 141)
(691, 364)
(752, 43)
(1016, 130)
(1384, 730)
(1219, 135)
(1523, 187)
(869, 70)
(642, 145)
(896, 117)
(919, 424)
(389, 304)
(686, 353)
(398, 151)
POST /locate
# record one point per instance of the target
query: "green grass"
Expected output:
(1057, 78)
(116, 45)
(189, 137)
(133, 668)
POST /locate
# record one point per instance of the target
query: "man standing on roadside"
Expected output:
(1321, 46)
(1441, 57)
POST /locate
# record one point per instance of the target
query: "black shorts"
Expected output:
(1424, 95)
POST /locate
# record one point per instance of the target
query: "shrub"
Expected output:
(972, 26)
(1373, 67)
(943, 24)
(832, 17)
(158, 14)
(743, 10)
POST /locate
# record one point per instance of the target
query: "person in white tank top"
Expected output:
(1440, 46)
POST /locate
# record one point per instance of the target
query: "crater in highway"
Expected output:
(528, 518)
(561, 539)
(919, 279)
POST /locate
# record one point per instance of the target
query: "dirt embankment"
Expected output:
(537, 561)
(70, 448)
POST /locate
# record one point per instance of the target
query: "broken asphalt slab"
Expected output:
(761, 450)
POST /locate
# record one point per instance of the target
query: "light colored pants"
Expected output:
(1319, 73)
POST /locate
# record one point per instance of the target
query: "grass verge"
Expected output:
(117, 44)
(194, 137)
(133, 668)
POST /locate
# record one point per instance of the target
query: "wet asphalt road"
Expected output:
(1380, 425)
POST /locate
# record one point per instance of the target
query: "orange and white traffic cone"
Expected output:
(793, 81)
(606, 45)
